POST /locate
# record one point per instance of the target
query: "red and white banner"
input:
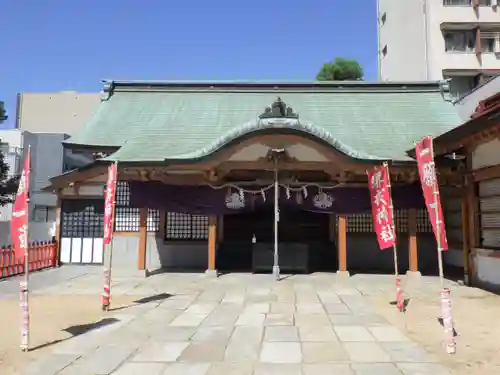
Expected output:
(380, 197)
(19, 221)
(109, 202)
(430, 188)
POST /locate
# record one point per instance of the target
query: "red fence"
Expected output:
(41, 255)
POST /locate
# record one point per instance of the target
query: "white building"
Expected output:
(423, 40)
(44, 121)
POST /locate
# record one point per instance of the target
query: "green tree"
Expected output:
(8, 185)
(3, 114)
(340, 70)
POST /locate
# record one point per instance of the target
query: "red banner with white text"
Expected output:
(380, 197)
(430, 188)
(19, 220)
(109, 202)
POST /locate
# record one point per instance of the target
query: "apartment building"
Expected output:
(434, 39)
(44, 121)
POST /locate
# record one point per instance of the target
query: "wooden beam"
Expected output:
(77, 176)
(342, 243)
(143, 238)
(212, 241)
(486, 173)
(412, 240)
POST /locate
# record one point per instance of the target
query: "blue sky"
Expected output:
(71, 45)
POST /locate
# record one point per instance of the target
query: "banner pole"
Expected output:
(438, 221)
(399, 292)
(445, 294)
(108, 251)
(276, 267)
(24, 284)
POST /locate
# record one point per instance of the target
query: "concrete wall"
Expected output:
(363, 253)
(46, 162)
(37, 232)
(62, 112)
(160, 254)
(488, 269)
(403, 34)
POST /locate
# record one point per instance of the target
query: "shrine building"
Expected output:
(198, 163)
(474, 214)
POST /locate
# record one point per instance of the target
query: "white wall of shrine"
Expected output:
(487, 257)
(298, 151)
(486, 155)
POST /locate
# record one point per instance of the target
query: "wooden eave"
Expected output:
(76, 176)
(472, 133)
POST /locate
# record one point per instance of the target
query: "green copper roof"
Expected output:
(155, 121)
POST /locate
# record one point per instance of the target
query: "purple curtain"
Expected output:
(205, 200)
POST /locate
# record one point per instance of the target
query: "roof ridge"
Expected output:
(110, 86)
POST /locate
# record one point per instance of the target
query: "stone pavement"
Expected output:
(240, 324)
(45, 278)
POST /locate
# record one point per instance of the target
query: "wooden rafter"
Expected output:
(486, 173)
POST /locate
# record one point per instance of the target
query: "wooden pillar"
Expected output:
(143, 238)
(466, 245)
(57, 234)
(472, 227)
(342, 243)
(474, 236)
(212, 242)
(412, 240)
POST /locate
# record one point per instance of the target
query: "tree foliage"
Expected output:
(3, 114)
(340, 70)
(8, 185)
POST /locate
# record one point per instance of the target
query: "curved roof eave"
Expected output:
(277, 123)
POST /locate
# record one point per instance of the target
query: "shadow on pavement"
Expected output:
(78, 330)
(154, 298)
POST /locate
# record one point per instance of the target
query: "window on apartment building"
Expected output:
(383, 18)
(487, 45)
(457, 2)
(44, 213)
(490, 41)
(384, 50)
(466, 2)
(459, 41)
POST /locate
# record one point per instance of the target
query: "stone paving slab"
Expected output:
(243, 324)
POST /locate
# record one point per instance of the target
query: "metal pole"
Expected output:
(391, 207)
(276, 268)
(445, 295)
(399, 292)
(24, 284)
(438, 221)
